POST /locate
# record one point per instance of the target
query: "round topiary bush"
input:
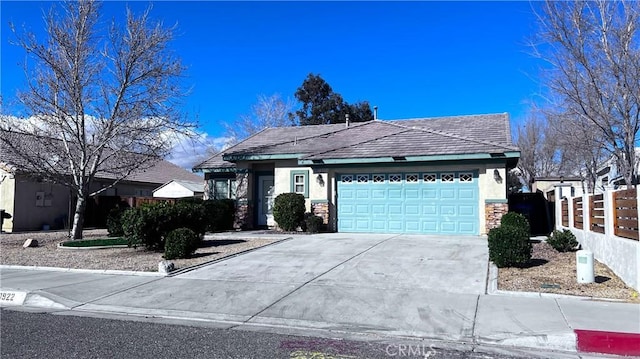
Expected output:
(517, 220)
(509, 246)
(562, 241)
(313, 223)
(180, 243)
(288, 210)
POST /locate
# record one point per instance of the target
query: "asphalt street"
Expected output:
(42, 335)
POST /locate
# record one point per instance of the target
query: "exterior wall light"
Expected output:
(320, 180)
(496, 176)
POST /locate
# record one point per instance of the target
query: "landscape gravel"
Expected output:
(551, 271)
(47, 254)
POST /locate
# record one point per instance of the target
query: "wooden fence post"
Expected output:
(558, 205)
(609, 212)
(586, 212)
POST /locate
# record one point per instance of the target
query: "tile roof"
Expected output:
(412, 137)
(161, 171)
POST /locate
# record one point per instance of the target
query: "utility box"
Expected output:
(584, 266)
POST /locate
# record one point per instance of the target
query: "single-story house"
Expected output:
(180, 189)
(443, 175)
(569, 186)
(35, 203)
(608, 175)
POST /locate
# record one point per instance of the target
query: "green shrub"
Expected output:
(562, 241)
(148, 225)
(219, 214)
(288, 211)
(114, 222)
(509, 246)
(517, 220)
(313, 223)
(180, 243)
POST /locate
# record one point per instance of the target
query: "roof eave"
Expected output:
(261, 157)
(407, 159)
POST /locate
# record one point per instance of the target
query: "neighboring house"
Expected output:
(569, 186)
(180, 189)
(442, 175)
(609, 176)
(35, 203)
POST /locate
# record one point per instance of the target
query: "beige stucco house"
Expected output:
(442, 175)
(35, 203)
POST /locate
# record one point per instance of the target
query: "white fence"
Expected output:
(606, 224)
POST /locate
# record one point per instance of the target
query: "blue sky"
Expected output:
(411, 59)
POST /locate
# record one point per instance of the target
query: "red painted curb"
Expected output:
(595, 341)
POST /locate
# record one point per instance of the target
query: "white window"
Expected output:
(465, 177)
(378, 178)
(412, 178)
(224, 189)
(429, 177)
(347, 178)
(362, 178)
(447, 177)
(395, 178)
(299, 183)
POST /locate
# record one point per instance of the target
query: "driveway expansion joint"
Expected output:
(318, 276)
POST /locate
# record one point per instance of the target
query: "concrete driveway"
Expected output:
(434, 263)
(425, 286)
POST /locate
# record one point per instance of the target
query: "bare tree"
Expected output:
(101, 102)
(268, 111)
(593, 48)
(540, 153)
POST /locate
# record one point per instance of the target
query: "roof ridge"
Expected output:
(357, 124)
(450, 116)
(460, 137)
(359, 143)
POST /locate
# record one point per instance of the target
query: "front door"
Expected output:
(265, 201)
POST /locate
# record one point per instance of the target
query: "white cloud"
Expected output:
(187, 152)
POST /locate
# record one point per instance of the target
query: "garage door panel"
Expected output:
(396, 226)
(466, 193)
(378, 194)
(409, 203)
(395, 209)
(395, 193)
(466, 210)
(362, 210)
(447, 193)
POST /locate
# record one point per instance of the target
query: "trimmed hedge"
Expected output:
(149, 224)
(509, 246)
(313, 223)
(220, 214)
(517, 220)
(114, 222)
(563, 241)
(181, 243)
(288, 211)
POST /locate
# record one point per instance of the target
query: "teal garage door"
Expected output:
(429, 203)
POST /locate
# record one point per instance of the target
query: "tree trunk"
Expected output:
(78, 218)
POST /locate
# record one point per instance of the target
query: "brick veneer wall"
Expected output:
(321, 210)
(243, 216)
(493, 213)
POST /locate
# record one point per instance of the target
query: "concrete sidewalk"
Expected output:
(337, 292)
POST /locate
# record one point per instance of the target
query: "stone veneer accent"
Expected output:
(493, 213)
(243, 216)
(321, 210)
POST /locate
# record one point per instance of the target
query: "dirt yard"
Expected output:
(554, 272)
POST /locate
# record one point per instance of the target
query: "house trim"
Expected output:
(248, 157)
(405, 159)
(292, 183)
(501, 200)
